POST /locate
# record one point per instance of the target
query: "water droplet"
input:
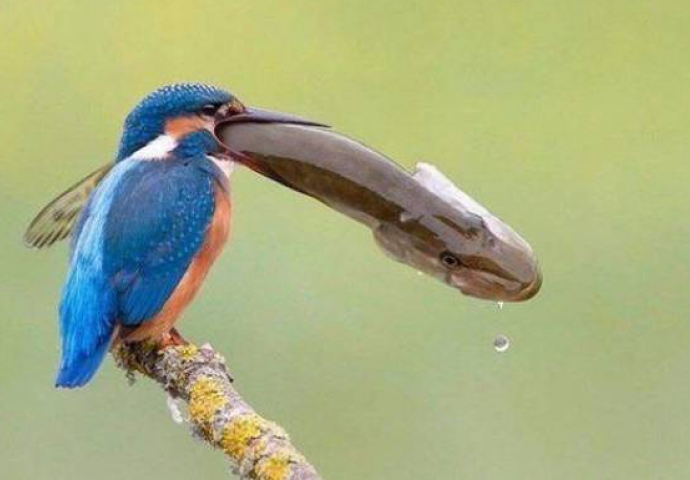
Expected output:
(175, 407)
(420, 273)
(501, 343)
(500, 305)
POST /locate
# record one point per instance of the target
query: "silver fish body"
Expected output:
(421, 218)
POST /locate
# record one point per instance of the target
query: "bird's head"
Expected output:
(183, 118)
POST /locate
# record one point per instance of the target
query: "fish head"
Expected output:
(453, 238)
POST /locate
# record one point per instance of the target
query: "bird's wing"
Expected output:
(155, 226)
(56, 221)
(134, 242)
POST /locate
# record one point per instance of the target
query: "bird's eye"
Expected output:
(210, 109)
(449, 260)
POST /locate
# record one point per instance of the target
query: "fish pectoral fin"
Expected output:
(56, 220)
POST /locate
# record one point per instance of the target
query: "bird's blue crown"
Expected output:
(147, 120)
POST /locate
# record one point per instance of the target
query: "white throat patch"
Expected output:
(156, 149)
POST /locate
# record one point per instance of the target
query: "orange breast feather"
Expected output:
(216, 236)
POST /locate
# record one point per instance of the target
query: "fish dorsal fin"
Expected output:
(433, 180)
(56, 220)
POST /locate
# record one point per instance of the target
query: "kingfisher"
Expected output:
(152, 224)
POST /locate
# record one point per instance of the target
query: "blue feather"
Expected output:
(88, 308)
(139, 233)
(147, 120)
(153, 236)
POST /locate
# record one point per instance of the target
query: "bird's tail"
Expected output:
(87, 325)
(77, 373)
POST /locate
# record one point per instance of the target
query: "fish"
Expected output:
(419, 218)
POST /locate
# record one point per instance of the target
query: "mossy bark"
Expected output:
(259, 449)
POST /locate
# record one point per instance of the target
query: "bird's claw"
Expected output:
(172, 339)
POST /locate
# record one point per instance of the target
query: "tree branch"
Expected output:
(259, 449)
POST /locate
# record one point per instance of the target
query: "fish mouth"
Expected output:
(514, 276)
(489, 286)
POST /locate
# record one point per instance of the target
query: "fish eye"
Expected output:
(449, 260)
(210, 109)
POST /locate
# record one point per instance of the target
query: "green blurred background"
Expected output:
(568, 119)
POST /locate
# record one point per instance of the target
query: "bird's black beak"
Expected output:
(257, 115)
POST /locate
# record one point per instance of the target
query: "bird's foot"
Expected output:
(172, 339)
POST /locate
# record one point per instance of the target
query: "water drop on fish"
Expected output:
(501, 343)
(500, 305)
(175, 407)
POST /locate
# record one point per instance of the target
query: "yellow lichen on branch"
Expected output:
(239, 433)
(205, 399)
(259, 449)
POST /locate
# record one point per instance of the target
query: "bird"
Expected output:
(153, 223)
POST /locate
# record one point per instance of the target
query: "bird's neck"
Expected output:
(137, 137)
(201, 143)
